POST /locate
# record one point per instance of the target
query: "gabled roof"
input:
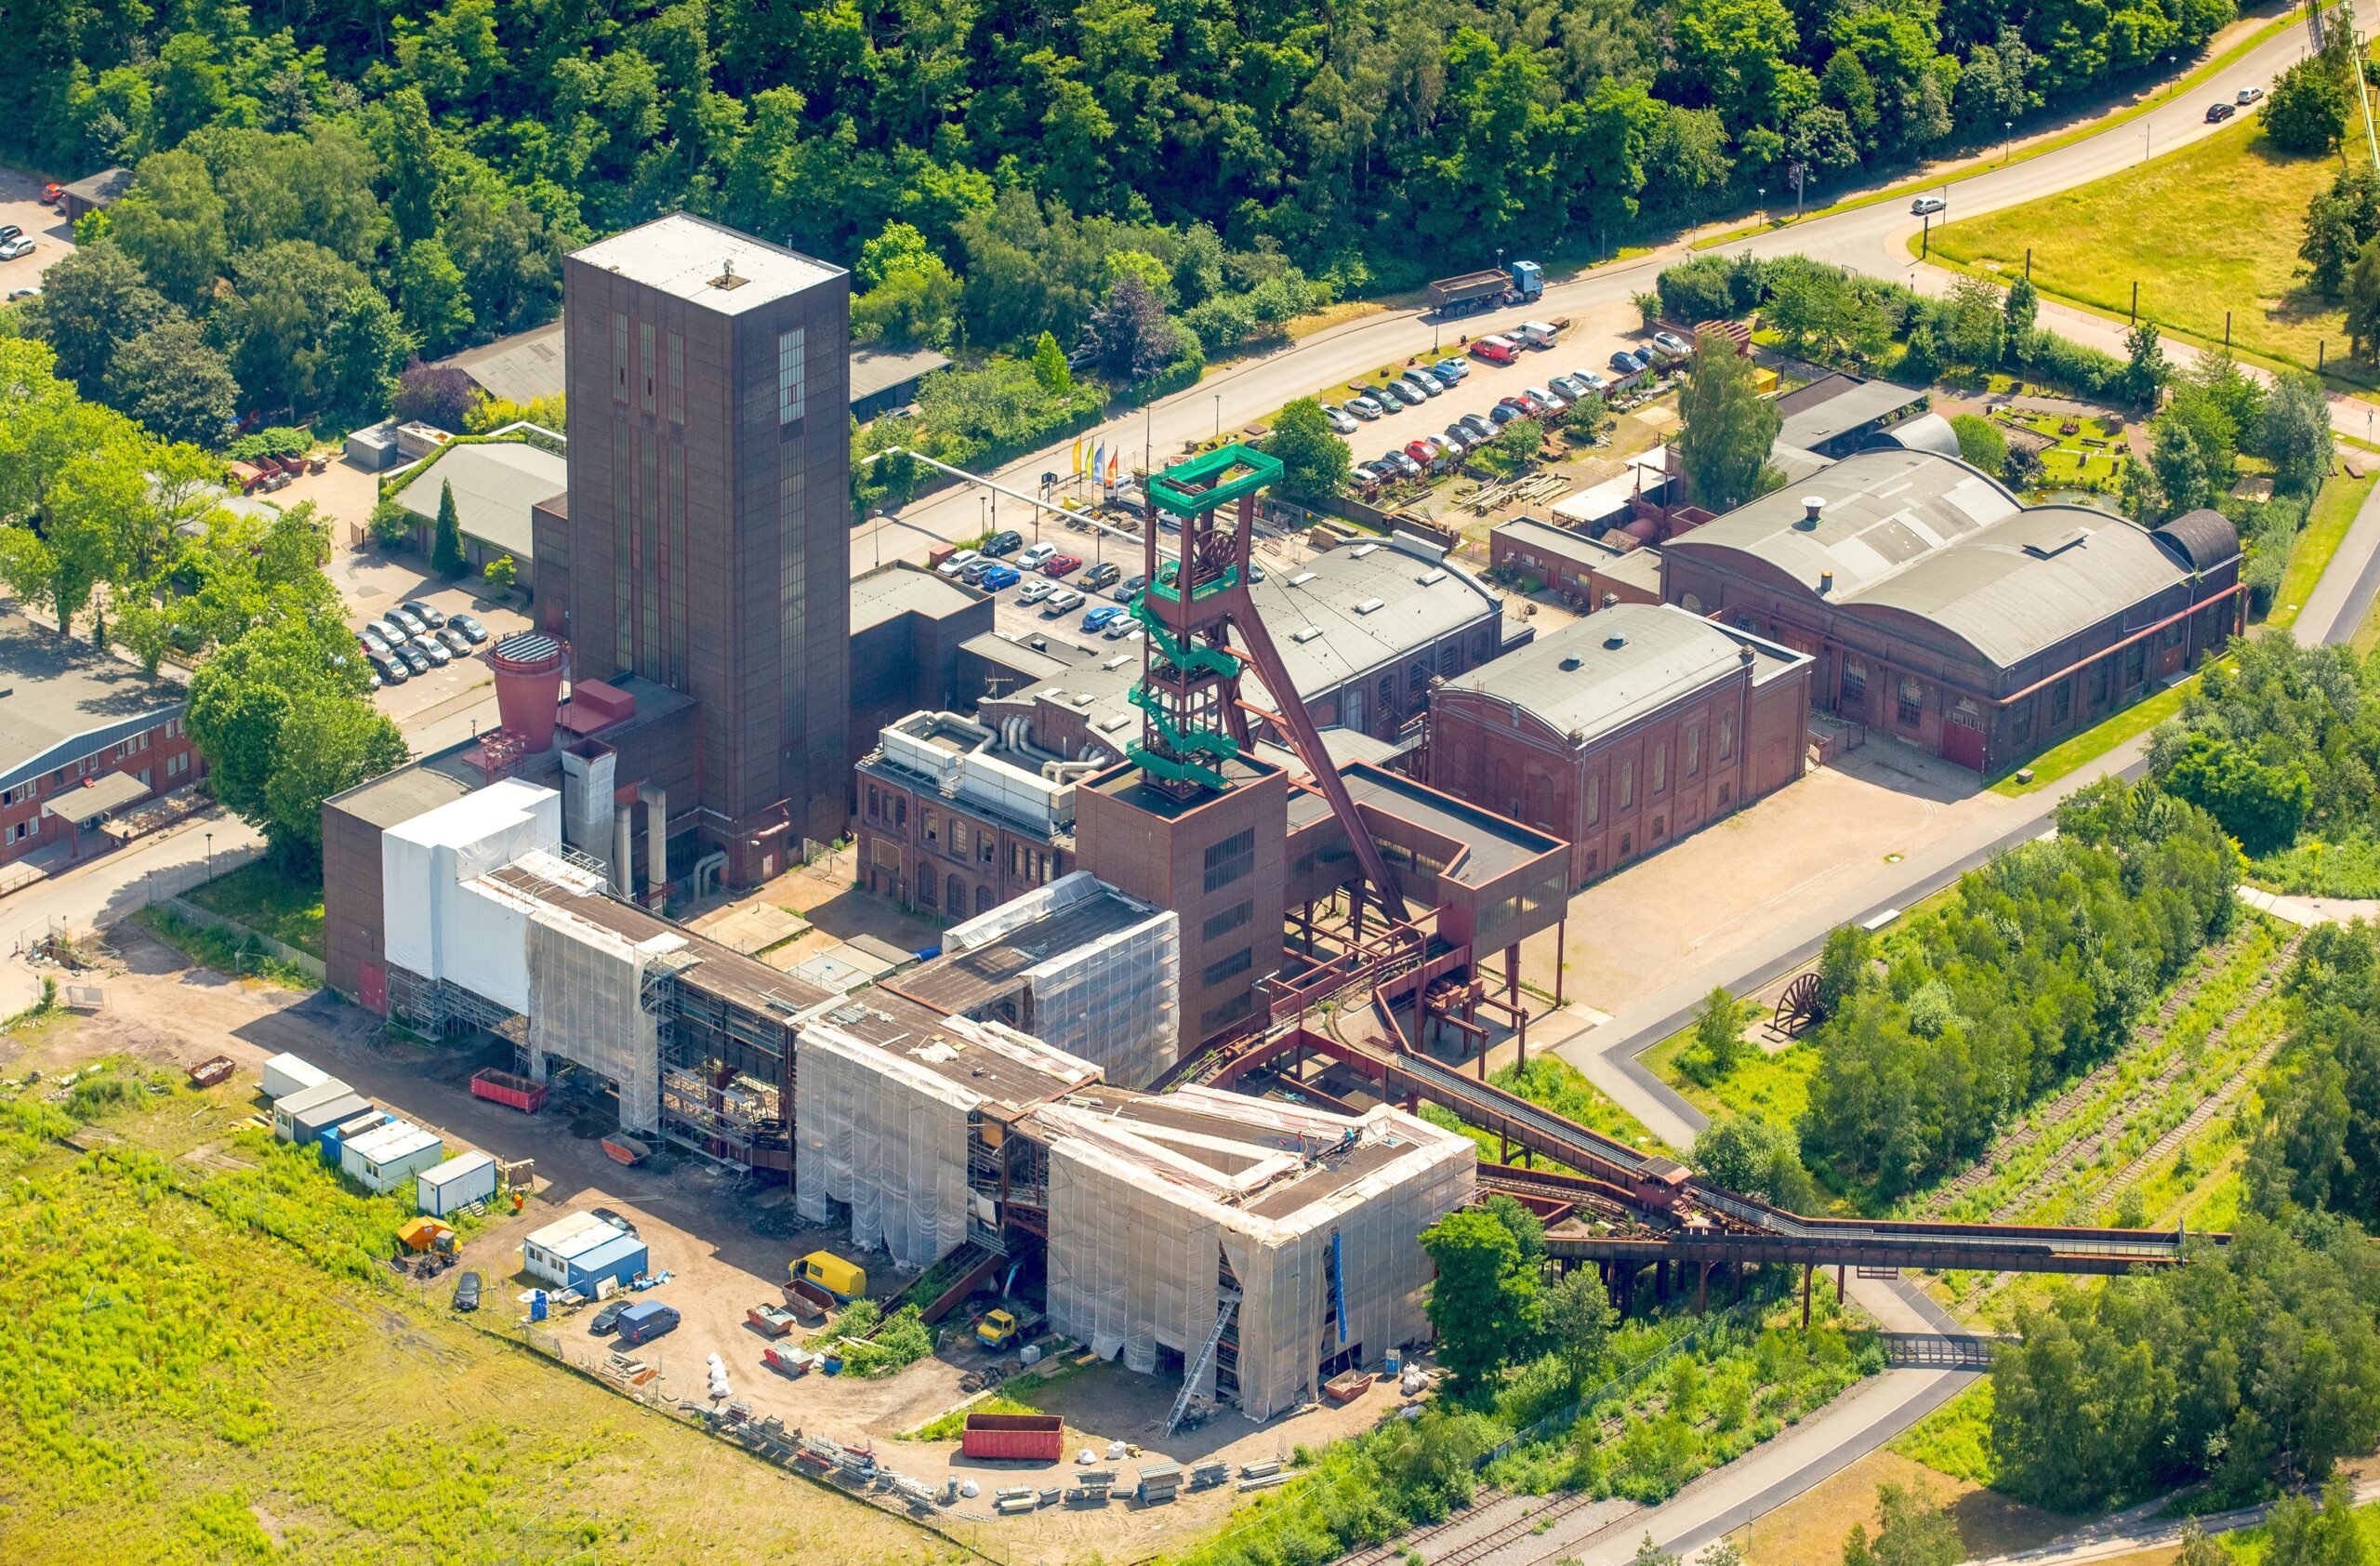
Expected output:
(1618, 665)
(495, 482)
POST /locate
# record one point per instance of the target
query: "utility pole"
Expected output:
(2363, 95)
(1799, 172)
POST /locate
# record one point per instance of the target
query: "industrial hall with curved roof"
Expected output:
(1942, 609)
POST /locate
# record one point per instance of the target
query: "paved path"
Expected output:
(2341, 599)
(2124, 1535)
(2312, 910)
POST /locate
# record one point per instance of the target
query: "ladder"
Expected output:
(1199, 1366)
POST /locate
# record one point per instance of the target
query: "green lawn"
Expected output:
(210, 946)
(2209, 228)
(1776, 1087)
(2325, 527)
(262, 897)
(2093, 743)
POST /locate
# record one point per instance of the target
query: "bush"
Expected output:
(1981, 442)
(279, 439)
(2069, 365)
(437, 394)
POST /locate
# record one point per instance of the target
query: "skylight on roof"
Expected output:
(1362, 549)
(1431, 579)
(1306, 633)
(1368, 606)
(1301, 578)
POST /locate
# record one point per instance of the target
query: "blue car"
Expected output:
(1098, 618)
(998, 576)
(1626, 363)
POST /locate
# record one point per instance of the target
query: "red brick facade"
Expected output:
(161, 756)
(941, 857)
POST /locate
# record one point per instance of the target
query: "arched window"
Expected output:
(955, 898)
(983, 899)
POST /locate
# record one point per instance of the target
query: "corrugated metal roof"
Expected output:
(63, 699)
(495, 484)
(1330, 590)
(1827, 407)
(1931, 536)
(877, 369)
(1610, 669)
(521, 368)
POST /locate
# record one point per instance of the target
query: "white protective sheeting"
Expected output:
(888, 1136)
(1115, 1001)
(586, 1004)
(435, 927)
(1143, 1237)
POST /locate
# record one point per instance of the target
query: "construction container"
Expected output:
(285, 1074)
(423, 1234)
(1034, 1438)
(503, 1087)
(303, 1117)
(455, 1184)
(335, 1140)
(212, 1069)
(843, 1279)
(388, 1156)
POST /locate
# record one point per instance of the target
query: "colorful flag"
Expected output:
(1099, 459)
(1078, 456)
(1114, 457)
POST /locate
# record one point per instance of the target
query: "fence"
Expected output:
(305, 963)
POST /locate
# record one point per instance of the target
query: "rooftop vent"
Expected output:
(1368, 606)
(1812, 505)
(1570, 663)
(1301, 578)
(1826, 583)
(1613, 643)
(727, 278)
(1119, 661)
(2051, 548)
(1431, 579)
(1362, 549)
(1081, 699)
(1305, 633)
(1038, 643)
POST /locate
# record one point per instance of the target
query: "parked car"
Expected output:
(645, 1320)
(391, 672)
(50, 193)
(972, 572)
(1478, 424)
(433, 649)
(1421, 451)
(1035, 557)
(1545, 398)
(618, 1220)
(406, 622)
(1062, 564)
(1433, 374)
(1130, 585)
(1458, 368)
(1008, 540)
(2216, 115)
(11, 249)
(413, 657)
(456, 642)
(1366, 409)
(466, 1292)
(1528, 406)
(608, 1318)
(1339, 418)
(470, 626)
(1627, 363)
(1589, 379)
(1495, 351)
(387, 631)
(1037, 590)
(1926, 205)
(1504, 413)
(431, 618)
(373, 641)
(1102, 574)
(17, 296)
(998, 578)
(1368, 473)
(1103, 616)
(959, 562)
(2248, 95)
(1672, 344)
(1566, 387)
(1461, 438)
(1426, 385)
(1406, 467)
(9, 232)
(1392, 398)
(1124, 631)
(1059, 603)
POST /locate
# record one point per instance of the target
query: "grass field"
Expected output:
(2180, 225)
(1776, 1087)
(263, 896)
(2326, 524)
(2097, 740)
(223, 951)
(209, 1363)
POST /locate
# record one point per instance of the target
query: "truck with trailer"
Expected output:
(1514, 282)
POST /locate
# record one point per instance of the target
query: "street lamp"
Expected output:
(2008, 136)
(210, 854)
(1218, 416)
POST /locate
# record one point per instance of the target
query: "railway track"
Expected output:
(2015, 1142)
(1486, 1496)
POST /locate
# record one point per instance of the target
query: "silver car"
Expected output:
(1338, 418)
(1421, 388)
(1365, 409)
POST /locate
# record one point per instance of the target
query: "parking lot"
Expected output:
(21, 205)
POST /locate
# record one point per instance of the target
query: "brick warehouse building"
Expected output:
(82, 734)
(1623, 732)
(704, 544)
(1943, 611)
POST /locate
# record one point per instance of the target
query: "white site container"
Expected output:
(455, 1184)
(285, 1074)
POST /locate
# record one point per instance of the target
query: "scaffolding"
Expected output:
(887, 1137)
(588, 993)
(1114, 1001)
(1150, 1235)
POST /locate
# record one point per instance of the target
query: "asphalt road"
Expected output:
(1872, 239)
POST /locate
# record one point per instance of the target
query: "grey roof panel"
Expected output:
(1623, 663)
(880, 595)
(495, 484)
(61, 699)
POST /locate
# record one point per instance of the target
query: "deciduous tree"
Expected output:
(1314, 459)
(1728, 428)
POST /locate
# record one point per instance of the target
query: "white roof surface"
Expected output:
(386, 1143)
(684, 254)
(574, 1236)
(457, 1167)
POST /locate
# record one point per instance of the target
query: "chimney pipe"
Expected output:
(656, 840)
(1826, 583)
(1812, 505)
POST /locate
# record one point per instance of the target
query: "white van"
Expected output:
(1536, 334)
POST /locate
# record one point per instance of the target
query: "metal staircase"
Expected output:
(1199, 1366)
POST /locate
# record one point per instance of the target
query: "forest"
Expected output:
(325, 189)
(2034, 972)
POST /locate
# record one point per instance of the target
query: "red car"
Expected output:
(49, 194)
(1059, 564)
(1496, 351)
(1421, 452)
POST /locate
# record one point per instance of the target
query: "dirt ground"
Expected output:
(724, 1244)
